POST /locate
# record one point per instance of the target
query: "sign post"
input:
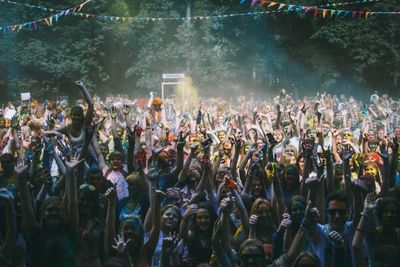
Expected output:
(171, 79)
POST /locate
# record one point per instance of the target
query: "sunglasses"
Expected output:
(332, 212)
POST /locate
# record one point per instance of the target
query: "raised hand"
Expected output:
(159, 196)
(111, 194)
(347, 154)
(113, 112)
(170, 242)
(126, 109)
(253, 220)
(120, 243)
(137, 129)
(15, 122)
(181, 140)
(194, 147)
(21, 168)
(311, 216)
(73, 162)
(226, 205)
(285, 223)
(190, 211)
(336, 239)
(369, 202)
(358, 186)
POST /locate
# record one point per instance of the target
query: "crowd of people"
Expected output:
(274, 182)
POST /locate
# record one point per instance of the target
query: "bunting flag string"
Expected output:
(48, 21)
(131, 19)
(324, 9)
(77, 8)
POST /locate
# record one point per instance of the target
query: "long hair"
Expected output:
(311, 256)
(213, 218)
(171, 206)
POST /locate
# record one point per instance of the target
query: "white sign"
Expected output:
(173, 76)
(25, 96)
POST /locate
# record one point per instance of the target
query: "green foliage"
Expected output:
(264, 52)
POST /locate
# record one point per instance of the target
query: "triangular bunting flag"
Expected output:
(315, 12)
(333, 12)
(281, 6)
(46, 20)
(263, 2)
(242, 1)
(272, 4)
(324, 12)
(367, 14)
(253, 2)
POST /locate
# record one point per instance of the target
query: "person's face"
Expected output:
(53, 214)
(135, 186)
(372, 146)
(251, 256)
(221, 136)
(7, 165)
(397, 132)
(260, 144)
(104, 150)
(227, 148)
(174, 197)
(311, 133)
(264, 215)
(203, 219)
(77, 117)
(116, 163)
(96, 180)
(370, 170)
(348, 135)
(297, 211)
(194, 175)
(170, 219)
(278, 136)
(381, 134)
(257, 188)
(337, 214)
(290, 176)
(129, 232)
(85, 205)
(220, 175)
(301, 164)
(389, 215)
(325, 129)
(120, 131)
(338, 175)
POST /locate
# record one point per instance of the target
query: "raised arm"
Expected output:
(26, 200)
(111, 195)
(179, 155)
(183, 174)
(73, 214)
(184, 231)
(151, 243)
(11, 224)
(89, 101)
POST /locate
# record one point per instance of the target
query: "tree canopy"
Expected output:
(296, 51)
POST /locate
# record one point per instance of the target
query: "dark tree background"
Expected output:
(261, 53)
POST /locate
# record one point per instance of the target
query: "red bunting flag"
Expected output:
(263, 2)
(315, 12)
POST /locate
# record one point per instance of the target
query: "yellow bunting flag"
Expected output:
(324, 12)
(272, 4)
